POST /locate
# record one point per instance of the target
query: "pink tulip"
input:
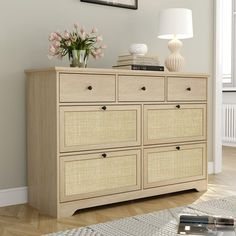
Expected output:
(76, 25)
(103, 46)
(99, 38)
(94, 30)
(98, 51)
(62, 42)
(57, 38)
(100, 55)
(66, 34)
(82, 36)
(52, 49)
(93, 53)
(82, 30)
(52, 36)
(58, 35)
(56, 44)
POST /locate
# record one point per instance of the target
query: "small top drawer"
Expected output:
(187, 89)
(141, 88)
(87, 88)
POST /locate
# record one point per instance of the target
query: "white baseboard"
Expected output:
(229, 144)
(211, 167)
(13, 196)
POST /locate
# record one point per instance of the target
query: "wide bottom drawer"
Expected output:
(174, 164)
(97, 174)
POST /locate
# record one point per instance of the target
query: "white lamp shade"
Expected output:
(175, 22)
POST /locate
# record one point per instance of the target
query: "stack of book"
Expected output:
(137, 62)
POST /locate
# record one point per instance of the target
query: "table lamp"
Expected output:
(175, 24)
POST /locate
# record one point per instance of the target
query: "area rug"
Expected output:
(161, 223)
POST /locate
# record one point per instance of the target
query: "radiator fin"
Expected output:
(229, 124)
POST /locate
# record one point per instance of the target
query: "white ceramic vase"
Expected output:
(139, 49)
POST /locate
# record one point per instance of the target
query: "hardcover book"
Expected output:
(138, 61)
(132, 57)
(141, 67)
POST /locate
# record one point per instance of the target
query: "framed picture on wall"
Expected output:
(130, 4)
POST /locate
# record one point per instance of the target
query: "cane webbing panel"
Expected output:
(172, 165)
(86, 176)
(173, 123)
(99, 127)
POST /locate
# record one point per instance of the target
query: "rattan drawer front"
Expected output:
(91, 175)
(174, 123)
(141, 88)
(187, 89)
(87, 88)
(164, 166)
(98, 127)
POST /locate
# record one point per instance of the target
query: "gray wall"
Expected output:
(25, 26)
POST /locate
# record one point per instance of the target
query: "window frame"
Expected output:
(232, 83)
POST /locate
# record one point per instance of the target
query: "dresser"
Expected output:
(101, 136)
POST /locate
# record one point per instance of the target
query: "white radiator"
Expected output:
(229, 124)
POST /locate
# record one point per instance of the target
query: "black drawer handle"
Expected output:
(104, 108)
(90, 87)
(104, 155)
(178, 106)
(178, 148)
(144, 88)
(188, 89)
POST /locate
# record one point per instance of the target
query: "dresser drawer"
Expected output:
(172, 165)
(141, 88)
(98, 174)
(87, 88)
(187, 89)
(174, 123)
(98, 127)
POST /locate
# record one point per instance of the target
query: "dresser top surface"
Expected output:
(114, 71)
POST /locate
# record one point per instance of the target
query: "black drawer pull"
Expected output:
(90, 87)
(104, 155)
(144, 88)
(188, 89)
(178, 148)
(104, 108)
(178, 106)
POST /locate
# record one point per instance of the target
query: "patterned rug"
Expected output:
(161, 223)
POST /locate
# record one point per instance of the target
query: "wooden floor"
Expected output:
(23, 220)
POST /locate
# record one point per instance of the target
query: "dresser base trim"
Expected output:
(69, 208)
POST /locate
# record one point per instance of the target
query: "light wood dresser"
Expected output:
(100, 136)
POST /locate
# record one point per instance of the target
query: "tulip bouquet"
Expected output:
(77, 44)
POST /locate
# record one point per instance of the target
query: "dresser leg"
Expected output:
(66, 212)
(201, 186)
